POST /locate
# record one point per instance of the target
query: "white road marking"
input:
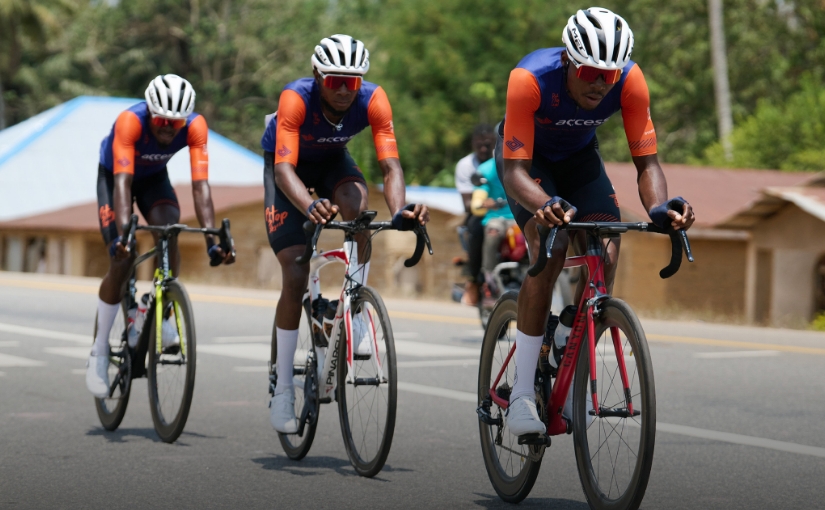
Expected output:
(257, 352)
(438, 363)
(462, 396)
(725, 437)
(254, 368)
(46, 333)
(242, 339)
(70, 352)
(7, 360)
(9, 343)
(735, 354)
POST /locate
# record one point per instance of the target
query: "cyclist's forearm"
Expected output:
(204, 209)
(395, 190)
(122, 200)
(520, 186)
(291, 185)
(651, 180)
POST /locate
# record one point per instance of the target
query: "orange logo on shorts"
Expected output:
(107, 215)
(274, 219)
(615, 199)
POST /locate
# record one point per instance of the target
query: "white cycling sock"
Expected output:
(526, 358)
(287, 343)
(106, 314)
(361, 272)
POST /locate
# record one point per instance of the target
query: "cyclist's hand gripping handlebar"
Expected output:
(421, 239)
(128, 237)
(547, 237)
(227, 244)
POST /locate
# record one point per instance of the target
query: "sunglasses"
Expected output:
(163, 122)
(591, 74)
(334, 81)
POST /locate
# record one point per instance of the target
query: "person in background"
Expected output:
(483, 142)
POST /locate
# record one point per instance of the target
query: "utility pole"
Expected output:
(720, 77)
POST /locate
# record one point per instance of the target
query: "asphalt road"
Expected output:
(740, 415)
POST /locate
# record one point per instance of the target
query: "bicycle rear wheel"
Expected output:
(172, 371)
(305, 382)
(112, 410)
(367, 408)
(512, 468)
(614, 454)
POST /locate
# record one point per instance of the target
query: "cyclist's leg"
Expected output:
(472, 270)
(158, 203)
(494, 232)
(583, 181)
(345, 186)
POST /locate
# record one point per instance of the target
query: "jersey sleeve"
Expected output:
(127, 131)
(379, 115)
(523, 99)
(291, 114)
(198, 155)
(641, 136)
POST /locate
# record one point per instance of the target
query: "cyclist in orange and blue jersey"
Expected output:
(305, 149)
(548, 157)
(132, 168)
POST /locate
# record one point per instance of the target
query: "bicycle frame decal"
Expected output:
(349, 257)
(583, 324)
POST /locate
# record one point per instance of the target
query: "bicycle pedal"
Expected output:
(534, 440)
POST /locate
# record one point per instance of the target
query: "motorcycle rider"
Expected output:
(483, 141)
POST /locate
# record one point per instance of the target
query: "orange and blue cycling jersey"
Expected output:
(300, 131)
(542, 118)
(131, 148)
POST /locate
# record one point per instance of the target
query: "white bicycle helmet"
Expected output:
(341, 54)
(598, 38)
(170, 96)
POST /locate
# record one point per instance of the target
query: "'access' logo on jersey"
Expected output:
(336, 139)
(274, 219)
(155, 157)
(107, 216)
(514, 144)
(580, 122)
(283, 151)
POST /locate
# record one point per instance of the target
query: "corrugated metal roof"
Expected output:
(49, 162)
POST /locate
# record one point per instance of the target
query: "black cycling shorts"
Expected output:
(284, 222)
(580, 179)
(147, 193)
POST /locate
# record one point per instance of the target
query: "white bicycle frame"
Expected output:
(348, 255)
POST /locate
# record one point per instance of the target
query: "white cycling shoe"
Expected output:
(169, 333)
(282, 412)
(522, 417)
(361, 338)
(97, 375)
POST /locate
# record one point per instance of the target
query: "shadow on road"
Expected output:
(121, 435)
(315, 466)
(493, 501)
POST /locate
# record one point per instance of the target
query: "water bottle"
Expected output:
(140, 316)
(319, 308)
(132, 334)
(329, 319)
(561, 335)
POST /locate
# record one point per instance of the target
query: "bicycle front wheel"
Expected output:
(305, 383)
(171, 370)
(367, 401)
(614, 451)
(111, 410)
(512, 468)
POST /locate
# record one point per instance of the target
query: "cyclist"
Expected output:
(132, 168)
(483, 142)
(305, 147)
(547, 151)
(489, 203)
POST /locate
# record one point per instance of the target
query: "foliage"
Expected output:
(818, 324)
(444, 64)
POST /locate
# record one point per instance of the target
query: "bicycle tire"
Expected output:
(111, 411)
(184, 384)
(296, 447)
(511, 485)
(641, 430)
(365, 462)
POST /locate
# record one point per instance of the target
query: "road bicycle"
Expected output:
(325, 368)
(170, 370)
(613, 412)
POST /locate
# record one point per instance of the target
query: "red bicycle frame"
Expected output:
(582, 324)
